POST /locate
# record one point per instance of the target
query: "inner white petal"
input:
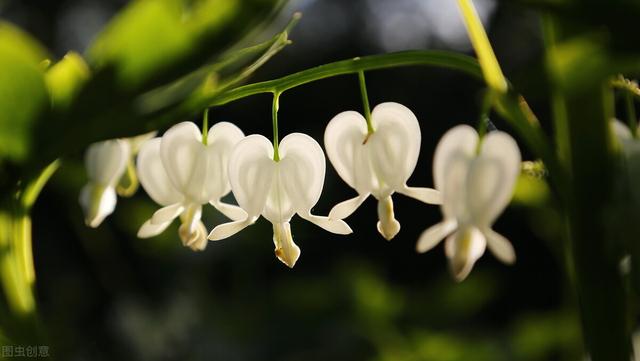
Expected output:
(285, 249)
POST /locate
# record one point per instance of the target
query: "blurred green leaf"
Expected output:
(66, 78)
(153, 39)
(144, 39)
(542, 336)
(23, 94)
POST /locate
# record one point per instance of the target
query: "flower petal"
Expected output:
(500, 246)
(231, 211)
(251, 170)
(195, 238)
(106, 161)
(227, 230)
(167, 214)
(210, 179)
(152, 175)
(149, 229)
(344, 209)
(182, 151)
(138, 141)
(464, 248)
(434, 234)
(344, 141)
(492, 177)
(620, 130)
(286, 250)
(387, 225)
(302, 170)
(336, 226)
(423, 194)
(452, 157)
(97, 202)
(395, 145)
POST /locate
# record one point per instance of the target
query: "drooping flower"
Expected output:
(182, 174)
(105, 162)
(111, 172)
(379, 163)
(278, 189)
(477, 183)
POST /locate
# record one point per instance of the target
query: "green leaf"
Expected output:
(144, 39)
(23, 94)
(66, 78)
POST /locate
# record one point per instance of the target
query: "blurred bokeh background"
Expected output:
(106, 295)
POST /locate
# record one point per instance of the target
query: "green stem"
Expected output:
(632, 119)
(365, 102)
(483, 118)
(17, 273)
(585, 145)
(205, 126)
(274, 119)
(351, 66)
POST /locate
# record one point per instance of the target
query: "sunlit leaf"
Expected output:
(66, 78)
(23, 95)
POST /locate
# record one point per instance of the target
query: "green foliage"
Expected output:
(23, 94)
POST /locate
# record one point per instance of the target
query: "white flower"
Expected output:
(105, 162)
(278, 189)
(476, 185)
(379, 163)
(180, 173)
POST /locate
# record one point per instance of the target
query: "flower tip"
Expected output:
(459, 270)
(285, 249)
(389, 230)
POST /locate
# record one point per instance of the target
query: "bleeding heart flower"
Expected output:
(105, 162)
(181, 173)
(278, 189)
(378, 163)
(477, 184)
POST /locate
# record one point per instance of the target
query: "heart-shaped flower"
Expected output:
(278, 189)
(476, 184)
(105, 162)
(181, 173)
(378, 163)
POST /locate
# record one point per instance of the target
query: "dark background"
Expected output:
(106, 295)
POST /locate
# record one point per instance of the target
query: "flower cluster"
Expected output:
(185, 170)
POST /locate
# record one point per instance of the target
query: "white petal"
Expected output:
(395, 145)
(97, 203)
(620, 130)
(106, 161)
(167, 214)
(455, 151)
(191, 217)
(344, 209)
(344, 141)
(251, 170)
(135, 143)
(152, 175)
(500, 246)
(149, 229)
(387, 225)
(285, 249)
(182, 152)
(492, 177)
(210, 179)
(227, 230)
(302, 169)
(231, 211)
(336, 226)
(434, 234)
(425, 195)
(193, 237)
(464, 248)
